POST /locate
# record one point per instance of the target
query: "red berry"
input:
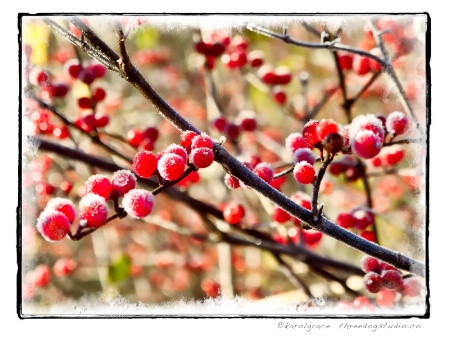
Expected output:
(40, 276)
(98, 70)
(146, 144)
(345, 61)
(220, 123)
(135, 137)
(345, 220)
(231, 182)
(385, 298)
(385, 266)
(101, 121)
(369, 235)
(152, 133)
(98, 184)
(376, 162)
(210, 287)
(171, 166)
(246, 120)
(64, 266)
(235, 59)
(283, 75)
(60, 89)
(366, 144)
(279, 95)
(312, 237)
(394, 156)
(304, 154)
(232, 131)
(138, 203)
(310, 133)
(239, 42)
(255, 58)
(93, 210)
(176, 149)
(233, 213)
(264, 171)
(361, 302)
(372, 282)
(66, 186)
(411, 287)
(304, 172)
(396, 123)
(374, 65)
(361, 65)
(61, 133)
(64, 205)
(86, 76)
(295, 141)
(202, 140)
(369, 264)
(325, 127)
(363, 217)
(38, 76)
(53, 225)
(280, 216)
(202, 157)
(392, 279)
(145, 163)
(98, 94)
(123, 181)
(73, 68)
(186, 139)
(88, 123)
(267, 75)
(85, 103)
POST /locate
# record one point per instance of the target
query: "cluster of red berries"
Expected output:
(244, 122)
(386, 281)
(361, 65)
(346, 165)
(44, 125)
(48, 88)
(87, 74)
(143, 139)
(263, 170)
(388, 156)
(358, 219)
(281, 216)
(233, 51)
(296, 235)
(276, 78)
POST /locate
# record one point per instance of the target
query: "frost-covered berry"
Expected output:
(53, 225)
(64, 205)
(396, 123)
(123, 181)
(186, 139)
(373, 282)
(367, 122)
(392, 279)
(345, 220)
(362, 217)
(366, 144)
(304, 154)
(369, 264)
(264, 171)
(280, 216)
(325, 127)
(233, 213)
(98, 184)
(177, 149)
(411, 287)
(304, 172)
(246, 120)
(144, 164)
(295, 141)
(231, 182)
(202, 157)
(310, 133)
(385, 298)
(201, 141)
(93, 210)
(171, 166)
(138, 203)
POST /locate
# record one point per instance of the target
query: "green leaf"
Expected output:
(146, 38)
(119, 270)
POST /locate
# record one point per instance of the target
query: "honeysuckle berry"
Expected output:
(53, 225)
(64, 205)
(138, 203)
(310, 133)
(233, 212)
(145, 164)
(373, 282)
(93, 210)
(202, 157)
(98, 184)
(171, 166)
(123, 181)
(396, 123)
(264, 171)
(304, 154)
(295, 141)
(304, 173)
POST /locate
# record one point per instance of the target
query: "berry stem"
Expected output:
(191, 168)
(316, 187)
